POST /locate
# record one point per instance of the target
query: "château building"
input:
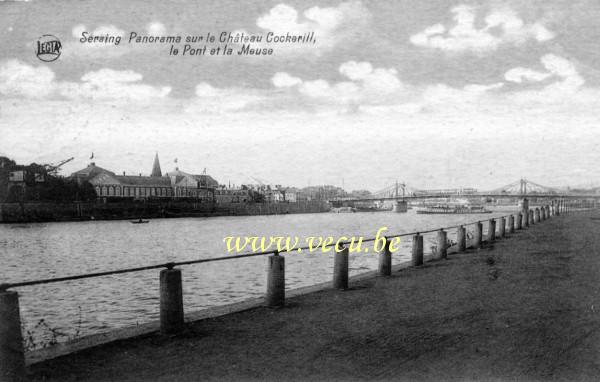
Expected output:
(175, 185)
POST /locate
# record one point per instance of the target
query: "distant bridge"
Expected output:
(518, 189)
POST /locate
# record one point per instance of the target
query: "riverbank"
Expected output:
(526, 309)
(81, 211)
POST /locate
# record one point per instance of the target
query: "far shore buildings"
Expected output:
(176, 184)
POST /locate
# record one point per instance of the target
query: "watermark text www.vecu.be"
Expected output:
(324, 244)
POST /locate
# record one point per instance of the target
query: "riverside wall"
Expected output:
(79, 211)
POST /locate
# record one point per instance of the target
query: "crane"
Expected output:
(52, 169)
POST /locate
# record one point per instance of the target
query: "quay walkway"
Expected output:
(525, 307)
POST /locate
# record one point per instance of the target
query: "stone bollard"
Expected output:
(442, 245)
(502, 227)
(478, 235)
(461, 239)
(385, 259)
(340, 269)
(536, 215)
(275, 281)
(542, 213)
(417, 250)
(525, 219)
(171, 301)
(530, 217)
(12, 359)
(511, 224)
(491, 231)
(519, 221)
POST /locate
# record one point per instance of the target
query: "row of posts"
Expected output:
(12, 361)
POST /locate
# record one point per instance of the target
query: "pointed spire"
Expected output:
(156, 167)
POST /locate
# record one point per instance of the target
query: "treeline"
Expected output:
(34, 183)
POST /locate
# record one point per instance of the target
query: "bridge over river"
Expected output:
(516, 190)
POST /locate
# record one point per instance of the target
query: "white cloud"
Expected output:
(18, 79)
(520, 75)
(564, 71)
(367, 85)
(23, 80)
(356, 70)
(444, 94)
(108, 84)
(212, 100)
(501, 27)
(284, 80)
(332, 25)
(156, 28)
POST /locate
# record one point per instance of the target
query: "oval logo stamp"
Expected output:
(48, 48)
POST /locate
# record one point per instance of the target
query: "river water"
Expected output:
(75, 308)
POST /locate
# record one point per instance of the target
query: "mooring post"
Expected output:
(461, 239)
(340, 269)
(531, 222)
(502, 227)
(171, 301)
(536, 215)
(519, 220)
(275, 281)
(478, 235)
(542, 213)
(385, 259)
(492, 231)
(525, 219)
(442, 245)
(417, 250)
(511, 224)
(556, 208)
(12, 358)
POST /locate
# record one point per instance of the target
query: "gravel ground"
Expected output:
(524, 309)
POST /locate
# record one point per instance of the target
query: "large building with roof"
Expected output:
(174, 185)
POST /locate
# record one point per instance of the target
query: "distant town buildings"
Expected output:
(41, 182)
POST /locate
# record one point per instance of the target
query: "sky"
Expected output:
(431, 93)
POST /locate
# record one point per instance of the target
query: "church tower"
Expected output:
(156, 167)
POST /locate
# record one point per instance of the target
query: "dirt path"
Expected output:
(525, 310)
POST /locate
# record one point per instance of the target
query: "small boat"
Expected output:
(139, 221)
(446, 209)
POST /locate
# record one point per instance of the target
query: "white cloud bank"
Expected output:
(569, 78)
(365, 84)
(501, 27)
(18, 79)
(332, 25)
